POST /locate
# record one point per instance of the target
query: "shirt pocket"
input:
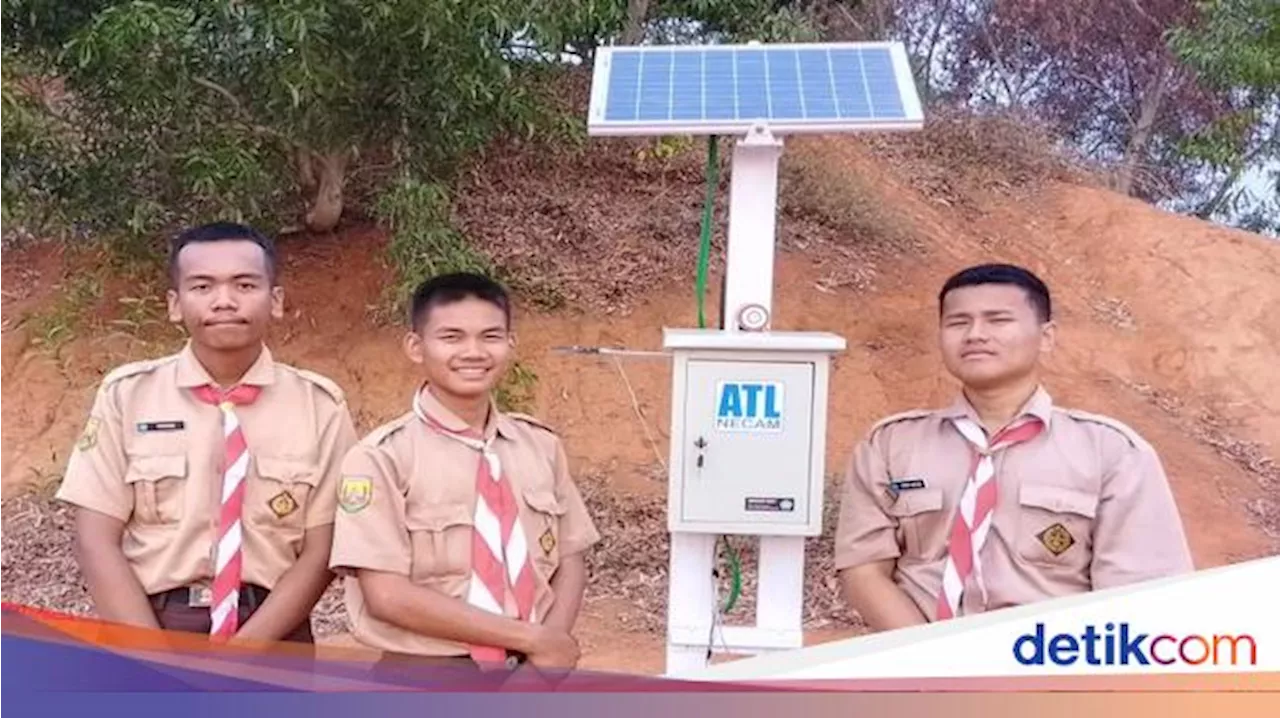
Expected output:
(920, 516)
(440, 535)
(543, 529)
(279, 493)
(1055, 525)
(159, 483)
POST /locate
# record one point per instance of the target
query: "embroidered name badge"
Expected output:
(283, 504)
(1056, 539)
(896, 488)
(146, 427)
(355, 493)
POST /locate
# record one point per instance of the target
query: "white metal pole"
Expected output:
(691, 607)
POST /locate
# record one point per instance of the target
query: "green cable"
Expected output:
(704, 250)
(704, 259)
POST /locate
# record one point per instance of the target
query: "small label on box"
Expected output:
(770, 504)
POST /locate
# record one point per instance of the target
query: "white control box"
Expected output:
(748, 431)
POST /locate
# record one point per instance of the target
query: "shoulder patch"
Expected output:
(145, 366)
(533, 420)
(384, 432)
(328, 385)
(1132, 436)
(901, 416)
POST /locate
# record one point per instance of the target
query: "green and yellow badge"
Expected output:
(89, 437)
(355, 493)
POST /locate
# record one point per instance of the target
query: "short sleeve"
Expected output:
(577, 530)
(865, 532)
(369, 528)
(336, 441)
(95, 474)
(1138, 533)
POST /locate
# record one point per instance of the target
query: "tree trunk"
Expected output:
(306, 170)
(326, 205)
(1136, 151)
(633, 31)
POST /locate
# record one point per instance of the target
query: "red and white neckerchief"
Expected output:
(224, 610)
(977, 505)
(499, 547)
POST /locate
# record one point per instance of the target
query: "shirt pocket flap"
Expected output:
(288, 470)
(439, 517)
(154, 467)
(916, 501)
(1059, 499)
(543, 501)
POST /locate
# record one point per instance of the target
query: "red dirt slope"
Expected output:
(1166, 323)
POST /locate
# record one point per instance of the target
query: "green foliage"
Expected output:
(516, 391)
(57, 323)
(1236, 44)
(423, 240)
(732, 21)
(179, 111)
(203, 108)
(30, 154)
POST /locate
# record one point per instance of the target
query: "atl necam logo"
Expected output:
(1120, 645)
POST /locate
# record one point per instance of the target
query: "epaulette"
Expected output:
(384, 432)
(535, 421)
(1133, 437)
(145, 366)
(901, 416)
(328, 385)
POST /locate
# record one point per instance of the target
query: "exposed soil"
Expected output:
(1167, 323)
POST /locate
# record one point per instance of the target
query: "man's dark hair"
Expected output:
(222, 232)
(449, 288)
(1036, 291)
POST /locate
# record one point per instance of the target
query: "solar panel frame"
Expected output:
(648, 121)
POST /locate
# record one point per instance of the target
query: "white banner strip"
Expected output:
(1221, 620)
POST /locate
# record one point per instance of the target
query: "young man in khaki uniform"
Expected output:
(206, 481)
(460, 531)
(1002, 498)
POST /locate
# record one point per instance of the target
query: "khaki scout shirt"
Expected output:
(151, 455)
(1083, 506)
(407, 503)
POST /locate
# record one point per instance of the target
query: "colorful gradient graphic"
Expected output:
(62, 665)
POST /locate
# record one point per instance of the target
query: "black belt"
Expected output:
(514, 659)
(252, 596)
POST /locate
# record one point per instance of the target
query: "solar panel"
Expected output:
(725, 89)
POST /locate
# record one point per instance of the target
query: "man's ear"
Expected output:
(277, 302)
(413, 348)
(175, 312)
(1048, 337)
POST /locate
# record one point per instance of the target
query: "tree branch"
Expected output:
(241, 111)
(1108, 94)
(852, 21)
(1146, 15)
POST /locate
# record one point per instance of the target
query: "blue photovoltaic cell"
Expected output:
(784, 84)
(686, 87)
(881, 85)
(719, 78)
(815, 81)
(655, 86)
(624, 80)
(753, 100)
(753, 83)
